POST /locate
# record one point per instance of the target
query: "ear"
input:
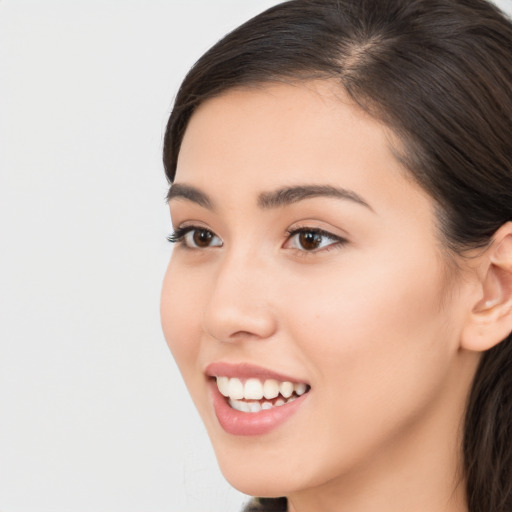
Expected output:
(490, 320)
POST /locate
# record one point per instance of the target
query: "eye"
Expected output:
(312, 239)
(195, 237)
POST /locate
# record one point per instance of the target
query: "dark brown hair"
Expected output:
(439, 74)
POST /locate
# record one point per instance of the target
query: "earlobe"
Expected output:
(490, 320)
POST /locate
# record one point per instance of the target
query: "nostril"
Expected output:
(235, 326)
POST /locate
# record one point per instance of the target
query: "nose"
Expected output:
(239, 305)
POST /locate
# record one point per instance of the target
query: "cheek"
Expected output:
(180, 319)
(378, 342)
(361, 307)
(377, 350)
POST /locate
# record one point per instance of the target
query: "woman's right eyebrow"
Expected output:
(190, 193)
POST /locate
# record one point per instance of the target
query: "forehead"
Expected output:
(256, 139)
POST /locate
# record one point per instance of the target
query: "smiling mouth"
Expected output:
(255, 395)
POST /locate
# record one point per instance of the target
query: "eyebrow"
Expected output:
(274, 199)
(288, 195)
(191, 193)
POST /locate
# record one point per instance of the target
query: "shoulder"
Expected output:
(266, 505)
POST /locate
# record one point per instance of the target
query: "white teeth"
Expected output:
(300, 388)
(253, 390)
(254, 407)
(239, 405)
(235, 389)
(286, 389)
(242, 406)
(223, 385)
(270, 389)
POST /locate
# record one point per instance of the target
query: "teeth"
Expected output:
(239, 405)
(223, 385)
(252, 407)
(235, 389)
(270, 389)
(300, 388)
(286, 389)
(254, 389)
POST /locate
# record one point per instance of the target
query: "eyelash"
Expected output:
(179, 234)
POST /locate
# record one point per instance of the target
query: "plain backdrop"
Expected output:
(93, 414)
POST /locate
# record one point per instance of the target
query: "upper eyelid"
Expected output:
(198, 224)
(183, 230)
(289, 232)
(191, 225)
(322, 231)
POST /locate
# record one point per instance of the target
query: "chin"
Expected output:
(261, 471)
(257, 484)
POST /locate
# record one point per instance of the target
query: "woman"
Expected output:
(339, 300)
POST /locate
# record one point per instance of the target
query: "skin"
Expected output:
(372, 323)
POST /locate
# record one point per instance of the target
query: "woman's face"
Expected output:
(307, 256)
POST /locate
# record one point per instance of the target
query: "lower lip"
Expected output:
(251, 423)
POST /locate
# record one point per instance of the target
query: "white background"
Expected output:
(94, 416)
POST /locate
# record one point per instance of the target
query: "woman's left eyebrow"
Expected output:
(288, 195)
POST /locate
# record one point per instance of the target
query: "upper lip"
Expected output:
(246, 371)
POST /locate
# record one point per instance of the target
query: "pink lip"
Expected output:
(246, 371)
(249, 424)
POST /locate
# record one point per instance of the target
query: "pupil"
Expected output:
(310, 240)
(202, 238)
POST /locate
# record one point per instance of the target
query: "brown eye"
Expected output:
(310, 240)
(196, 238)
(202, 237)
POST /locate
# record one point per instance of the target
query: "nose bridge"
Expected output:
(239, 305)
